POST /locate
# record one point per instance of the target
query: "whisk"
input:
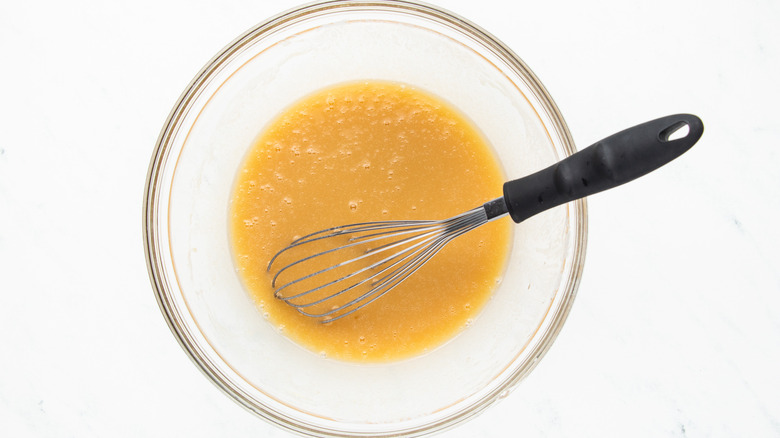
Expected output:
(335, 272)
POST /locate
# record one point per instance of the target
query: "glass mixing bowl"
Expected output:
(186, 208)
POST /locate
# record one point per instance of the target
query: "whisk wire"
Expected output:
(416, 241)
(396, 228)
(384, 283)
(338, 265)
(392, 280)
(352, 274)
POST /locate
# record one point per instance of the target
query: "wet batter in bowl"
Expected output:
(361, 152)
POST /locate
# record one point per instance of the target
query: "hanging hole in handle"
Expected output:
(676, 131)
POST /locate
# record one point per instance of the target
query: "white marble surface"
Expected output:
(676, 327)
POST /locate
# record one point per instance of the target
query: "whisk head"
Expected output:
(332, 273)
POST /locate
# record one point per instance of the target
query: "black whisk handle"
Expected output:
(613, 161)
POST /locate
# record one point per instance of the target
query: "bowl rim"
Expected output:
(153, 192)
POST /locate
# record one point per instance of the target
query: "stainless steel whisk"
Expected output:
(367, 260)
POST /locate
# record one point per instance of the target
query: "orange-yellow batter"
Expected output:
(371, 151)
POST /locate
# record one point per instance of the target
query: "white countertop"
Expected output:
(676, 327)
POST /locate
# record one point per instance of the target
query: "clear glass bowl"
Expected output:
(186, 233)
